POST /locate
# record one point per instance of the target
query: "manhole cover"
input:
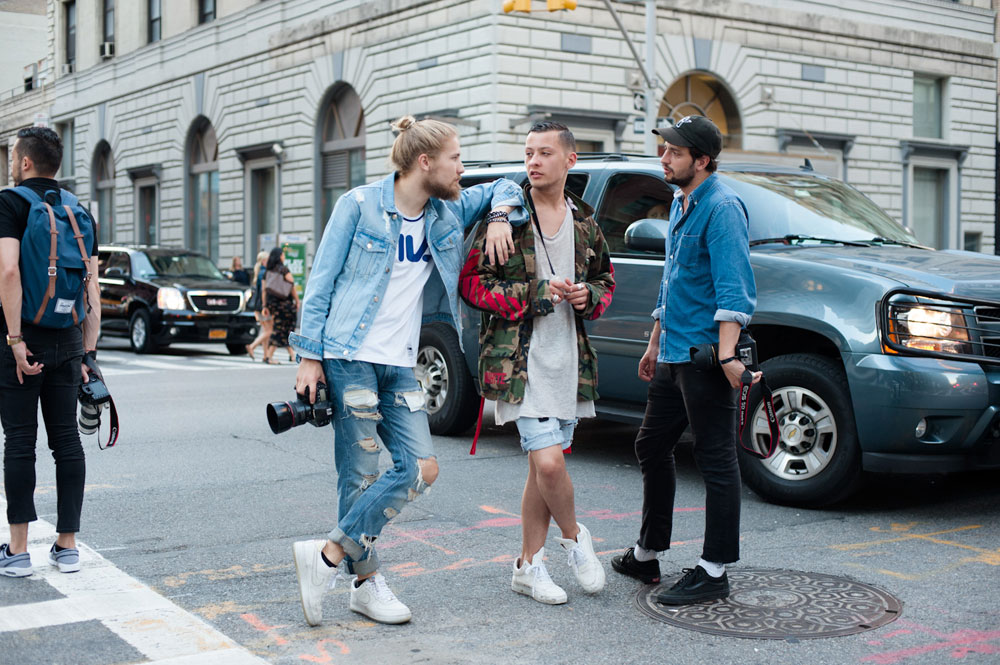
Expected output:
(780, 605)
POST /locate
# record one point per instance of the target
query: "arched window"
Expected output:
(700, 93)
(342, 146)
(203, 190)
(103, 190)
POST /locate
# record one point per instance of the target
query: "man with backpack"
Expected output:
(51, 315)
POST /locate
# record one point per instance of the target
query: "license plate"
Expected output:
(217, 333)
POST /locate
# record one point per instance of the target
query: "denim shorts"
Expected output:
(538, 433)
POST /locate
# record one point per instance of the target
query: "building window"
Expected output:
(704, 94)
(109, 20)
(154, 21)
(5, 160)
(263, 208)
(930, 206)
(928, 107)
(206, 11)
(203, 190)
(342, 148)
(68, 169)
(146, 202)
(103, 191)
(71, 35)
(973, 242)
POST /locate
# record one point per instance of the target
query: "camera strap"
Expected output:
(113, 433)
(768, 401)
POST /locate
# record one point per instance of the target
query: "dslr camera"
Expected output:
(706, 356)
(93, 397)
(283, 416)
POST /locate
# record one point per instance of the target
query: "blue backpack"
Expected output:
(55, 259)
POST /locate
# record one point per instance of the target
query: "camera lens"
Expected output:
(90, 418)
(282, 416)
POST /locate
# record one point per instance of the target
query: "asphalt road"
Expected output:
(201, 503)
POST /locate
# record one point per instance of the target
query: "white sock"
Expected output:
(642, 554)
(713, 569)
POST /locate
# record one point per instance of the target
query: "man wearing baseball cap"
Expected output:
(712, 295)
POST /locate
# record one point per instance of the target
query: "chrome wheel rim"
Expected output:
(432, 374)
(808, 434)
(139, 332)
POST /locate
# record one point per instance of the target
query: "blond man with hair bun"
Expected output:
(389, 258)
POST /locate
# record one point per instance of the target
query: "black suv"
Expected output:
(159, 295)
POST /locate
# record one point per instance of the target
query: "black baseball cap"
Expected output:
(693, 131)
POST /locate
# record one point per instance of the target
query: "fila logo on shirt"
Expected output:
(405, 250)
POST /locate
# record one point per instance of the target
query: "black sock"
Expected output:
(59, 549)
(327, 561)
(358, 582)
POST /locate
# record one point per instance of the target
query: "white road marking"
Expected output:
(160, 630)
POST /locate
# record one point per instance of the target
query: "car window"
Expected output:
(102, 262)
(183, 264)
(781, 204)
(575, 182)
(120, 260)
(630, 197)
(141, 266)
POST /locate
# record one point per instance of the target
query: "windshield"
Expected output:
(188, 265)
(783, 204)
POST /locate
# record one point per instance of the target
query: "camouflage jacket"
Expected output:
(510, 296)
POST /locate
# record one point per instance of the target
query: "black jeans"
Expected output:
(678, 395)
(60, 351)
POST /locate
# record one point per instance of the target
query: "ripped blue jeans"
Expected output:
(373, 404)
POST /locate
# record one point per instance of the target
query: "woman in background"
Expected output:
(283, 307)
(265, 322)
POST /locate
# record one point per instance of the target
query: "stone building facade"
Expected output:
(217, 124)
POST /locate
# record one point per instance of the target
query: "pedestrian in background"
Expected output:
(707, 294)
(237, 273)
(257, 304)
(40, 364)
(280, 299)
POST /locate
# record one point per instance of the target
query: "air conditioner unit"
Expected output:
(30, 71)
(107, 50)
(66, 68)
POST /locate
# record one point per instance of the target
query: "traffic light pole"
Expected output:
(646, 67)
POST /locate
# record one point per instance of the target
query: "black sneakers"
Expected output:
(696, 586)
(644, 571)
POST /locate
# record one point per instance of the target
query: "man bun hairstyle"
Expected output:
(565, 136)
(417, 137)
(43, 147)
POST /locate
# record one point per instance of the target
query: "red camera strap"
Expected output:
(772, 421)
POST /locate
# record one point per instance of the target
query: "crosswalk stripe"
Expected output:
(162, 631)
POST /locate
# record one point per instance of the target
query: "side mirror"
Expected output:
(115, 273)
(647, 235)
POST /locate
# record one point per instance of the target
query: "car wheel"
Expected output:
(140, 333)
(818, 460)
(237, 349)
(450, 390)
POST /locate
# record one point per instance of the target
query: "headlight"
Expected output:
(929, 328)
(168, 297)
(246, 296)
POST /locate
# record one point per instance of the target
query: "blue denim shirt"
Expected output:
(354, 260)
(706, 275)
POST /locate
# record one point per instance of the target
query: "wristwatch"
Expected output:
(14, 340)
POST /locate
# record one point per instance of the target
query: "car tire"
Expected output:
(450, 391)
(140, 334)
(818, 460)
(237, 349)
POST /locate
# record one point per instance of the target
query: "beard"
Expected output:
(681, 180)
(449, 192)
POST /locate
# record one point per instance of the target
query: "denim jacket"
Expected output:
(354, 260)
(707, 276)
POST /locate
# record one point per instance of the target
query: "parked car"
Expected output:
(883, 355)
(156, 296)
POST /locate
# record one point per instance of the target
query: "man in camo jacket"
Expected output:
(531, 339)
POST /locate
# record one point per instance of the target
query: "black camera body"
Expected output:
(706, 356)
(93, 395)
(283, 416)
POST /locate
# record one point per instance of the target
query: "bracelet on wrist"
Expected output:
(727, 360)
(14, 340)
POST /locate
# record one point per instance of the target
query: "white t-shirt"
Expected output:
(395, 332)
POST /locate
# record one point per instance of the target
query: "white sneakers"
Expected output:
(585, 564)
(375, 600)
(532, 579)
(314, 578)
